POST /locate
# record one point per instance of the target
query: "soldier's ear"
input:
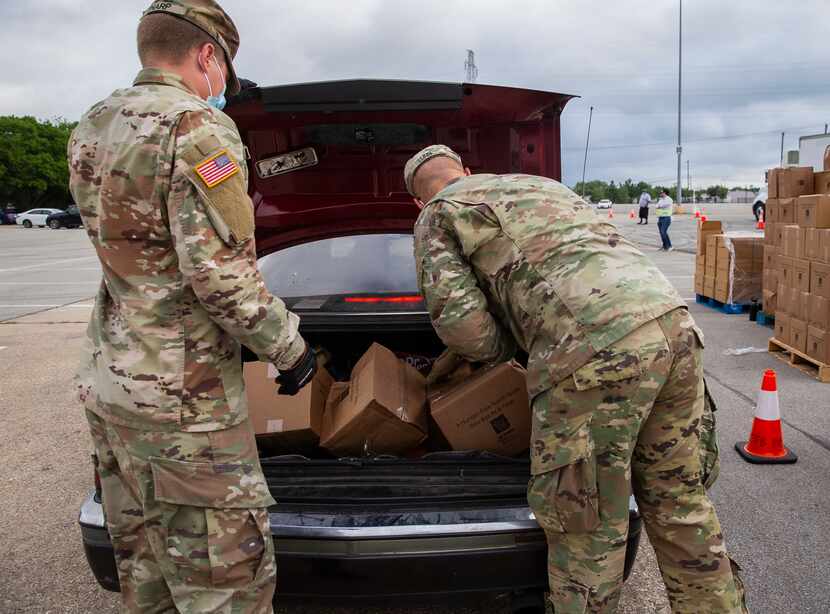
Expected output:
(418, 203)
(467, 171)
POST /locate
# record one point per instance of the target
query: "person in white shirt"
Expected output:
(664, 208)
(645, 201)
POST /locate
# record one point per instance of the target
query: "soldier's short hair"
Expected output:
(165, 37)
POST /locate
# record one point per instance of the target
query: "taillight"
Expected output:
(383, 299)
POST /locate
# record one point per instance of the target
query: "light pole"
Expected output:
(679, 102)
(587, 140)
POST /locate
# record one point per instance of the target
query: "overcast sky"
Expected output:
(752, 68)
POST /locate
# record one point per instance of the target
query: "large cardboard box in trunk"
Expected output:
(290, 422)
(383, 412)
(488, 411)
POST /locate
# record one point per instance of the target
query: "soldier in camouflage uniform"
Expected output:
(160, 176)
(614, 374)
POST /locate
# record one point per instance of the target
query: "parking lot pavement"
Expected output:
(775, 518)
(43, 269)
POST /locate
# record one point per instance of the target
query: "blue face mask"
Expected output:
(217, 102)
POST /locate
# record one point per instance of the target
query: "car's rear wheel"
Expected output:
(54, 224)
(27, 224)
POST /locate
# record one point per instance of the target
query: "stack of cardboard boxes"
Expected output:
(386, 408)
(729, 266)
(797, 259)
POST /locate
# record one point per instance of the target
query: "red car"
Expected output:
(334, 234)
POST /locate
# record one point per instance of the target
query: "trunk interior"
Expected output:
(423, 479)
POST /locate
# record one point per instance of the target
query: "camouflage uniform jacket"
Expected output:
(517, 259)
(180, 289)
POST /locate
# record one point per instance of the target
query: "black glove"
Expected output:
(294, 379)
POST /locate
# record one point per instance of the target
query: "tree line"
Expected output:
(628, 191)
(33, 167)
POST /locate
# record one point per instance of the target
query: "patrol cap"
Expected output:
(209, 17)
(425, 155)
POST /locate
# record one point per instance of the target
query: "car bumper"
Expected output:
(506, 553)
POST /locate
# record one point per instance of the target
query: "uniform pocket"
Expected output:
(214, 521)
(566, 500)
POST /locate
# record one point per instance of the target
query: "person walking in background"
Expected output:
(665, 206)
(645, 201)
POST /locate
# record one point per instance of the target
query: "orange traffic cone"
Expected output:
(703, 217)
(611, 214)
(697, 213)
(766, 442)
(631, 214)
(760, 225)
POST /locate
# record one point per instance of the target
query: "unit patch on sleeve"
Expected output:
(217, 168)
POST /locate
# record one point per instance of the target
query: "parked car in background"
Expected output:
(71, 218)
(8, 215)
(35, 217)
(760, 203)
(604, 204)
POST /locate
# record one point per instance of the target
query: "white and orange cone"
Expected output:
(611, 213)
(766, 441)
(631, 214)
(760, 225)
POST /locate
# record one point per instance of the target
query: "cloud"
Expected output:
(751, 69)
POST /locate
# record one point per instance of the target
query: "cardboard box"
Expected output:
(770, 257)
(812, 244)
(489, 411)
(704, 230)
(783, 298)
(802, 312)
(792, 240)
(779, 236)
(820, 279)
(814, 211)
(700, 288)
(801, 271)
(798, 334)
(383, 412)
(787, 211)
(791, 181)
(771, 210)
(723, 259)
(782, 327)
(770, 233)
(819, 312)
(821, 182)
(772, 183)
(824, 244)
(786, 270)
(294, 422)
(769, 302)
(817, 344)
(709, 286)
(711, 250)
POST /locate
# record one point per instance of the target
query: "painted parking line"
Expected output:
(46, 264)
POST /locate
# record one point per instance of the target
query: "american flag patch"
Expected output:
(217, 168)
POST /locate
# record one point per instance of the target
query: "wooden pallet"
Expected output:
(800, 361)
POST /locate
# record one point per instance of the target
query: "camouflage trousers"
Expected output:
(630, 417)
(187, 516)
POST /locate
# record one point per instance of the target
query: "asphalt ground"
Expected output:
(775, 518)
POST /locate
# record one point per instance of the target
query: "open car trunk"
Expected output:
(359, 488)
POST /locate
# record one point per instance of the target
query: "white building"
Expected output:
(740, 196)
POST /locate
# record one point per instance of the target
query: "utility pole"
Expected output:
(689, 179)
(587, 140)
(470, 66)
(679, 102)
(782, 150)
